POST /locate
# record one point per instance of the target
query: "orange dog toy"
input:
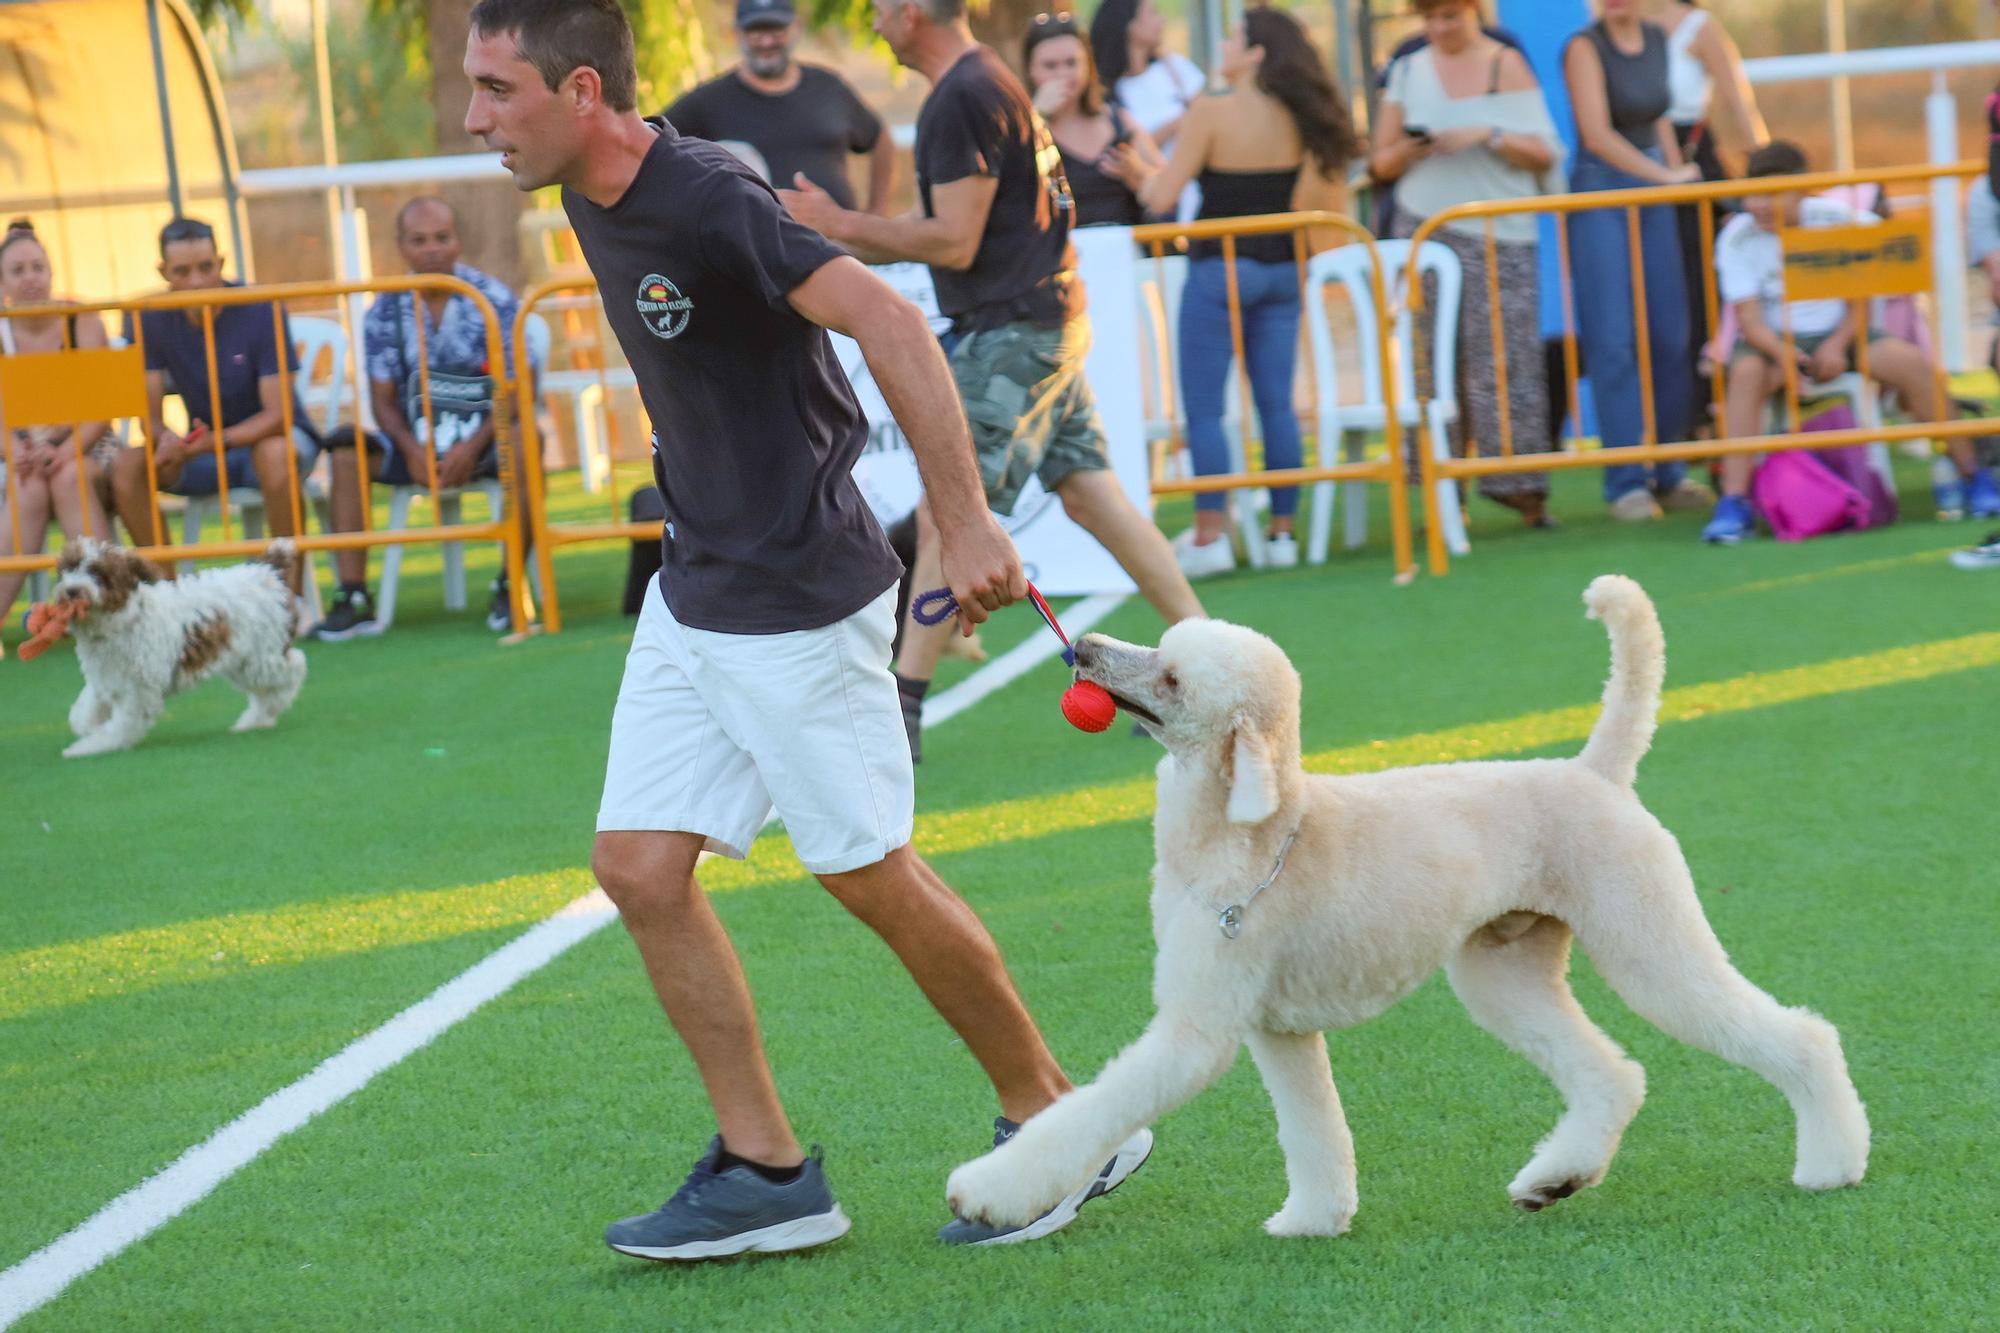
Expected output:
(48, 622)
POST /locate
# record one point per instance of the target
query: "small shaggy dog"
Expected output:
(140, 638)
(1286, 904)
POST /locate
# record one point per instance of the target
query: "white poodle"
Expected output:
(1286, 904)
(140, 638)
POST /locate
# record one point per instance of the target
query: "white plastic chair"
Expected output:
(450, 509)
(1349, 423)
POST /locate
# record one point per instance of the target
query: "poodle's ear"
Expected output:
(1253, 782)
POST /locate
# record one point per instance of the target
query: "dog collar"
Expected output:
(1230, 919)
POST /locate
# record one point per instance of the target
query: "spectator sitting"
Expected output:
(1105, 154)
(1750, 267)
(461, 403)
(801, 119)
(250, 419)
(41, 463)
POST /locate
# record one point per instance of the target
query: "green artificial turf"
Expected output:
(192, 925)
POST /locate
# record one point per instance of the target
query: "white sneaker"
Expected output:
(1281, 551)
(1635, 506)
(1199, 562)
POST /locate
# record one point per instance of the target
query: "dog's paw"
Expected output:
(1296, 1219)
(253, 721)
(1830, 1175)
(996, 1191)
(1534, 1198)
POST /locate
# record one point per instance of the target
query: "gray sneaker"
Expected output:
(1131, 1155)
(1986, 555)
(720, 1213)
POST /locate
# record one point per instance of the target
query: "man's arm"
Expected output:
(384, 397)
(881, 174)
(266, 421)
(948, 240)
(167, 446)
(980, 563)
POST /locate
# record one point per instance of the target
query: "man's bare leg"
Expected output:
(345, 500)
(956, 964)
(695, 973)
(1096, 503)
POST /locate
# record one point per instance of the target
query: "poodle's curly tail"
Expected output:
(1624, 729)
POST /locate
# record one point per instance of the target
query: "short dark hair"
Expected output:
(1780, 157)
(185, 229)
(560, 36)
(411, 205)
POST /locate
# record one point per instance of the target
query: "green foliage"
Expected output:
(381, 90)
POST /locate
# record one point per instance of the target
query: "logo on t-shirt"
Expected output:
(665, 311)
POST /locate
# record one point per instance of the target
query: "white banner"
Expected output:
(1061, 559)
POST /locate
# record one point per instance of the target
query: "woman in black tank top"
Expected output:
(1281, 104)
(41, 461)
(1105, 155)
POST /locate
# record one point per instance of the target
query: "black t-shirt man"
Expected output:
(810, 129)
(979, 121)
(755, 427)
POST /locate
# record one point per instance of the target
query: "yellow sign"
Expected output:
(1889, 258)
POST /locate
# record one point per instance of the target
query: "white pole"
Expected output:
(1947, 241)
(1843, 110)
(343, 219)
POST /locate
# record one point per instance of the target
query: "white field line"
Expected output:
(143, 1209)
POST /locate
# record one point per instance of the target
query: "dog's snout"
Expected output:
(1089, 649)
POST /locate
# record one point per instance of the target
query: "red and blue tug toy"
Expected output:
(1085, 704)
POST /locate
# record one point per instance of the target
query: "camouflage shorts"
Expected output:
(1029, 407)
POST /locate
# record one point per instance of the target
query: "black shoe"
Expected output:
(500, 611)
(352, 617)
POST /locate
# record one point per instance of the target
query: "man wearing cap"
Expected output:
(799, 118)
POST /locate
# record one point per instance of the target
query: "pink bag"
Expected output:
(1800, 497)
(1850, 463)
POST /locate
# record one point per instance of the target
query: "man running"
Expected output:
(759, 675)
(993, 225)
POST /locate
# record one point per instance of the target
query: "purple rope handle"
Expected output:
(938, 605)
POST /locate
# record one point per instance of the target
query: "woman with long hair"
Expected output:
(1128, 42)
(41, 462)
(1105, 154)
(1277, 141)
(1620, 91)
(1462, 119)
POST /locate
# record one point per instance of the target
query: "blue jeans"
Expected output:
(1269, 294)
(1601, 279)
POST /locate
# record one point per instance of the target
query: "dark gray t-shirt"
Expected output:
(811, 129)
(755, 428)
(979, 121)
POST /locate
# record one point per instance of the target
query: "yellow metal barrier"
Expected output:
(1845, 263)
(549, 535)
(69, 387)
(1156, 237)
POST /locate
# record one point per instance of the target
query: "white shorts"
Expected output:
(713, 730)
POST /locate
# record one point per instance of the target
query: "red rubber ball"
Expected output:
(1087, 707)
